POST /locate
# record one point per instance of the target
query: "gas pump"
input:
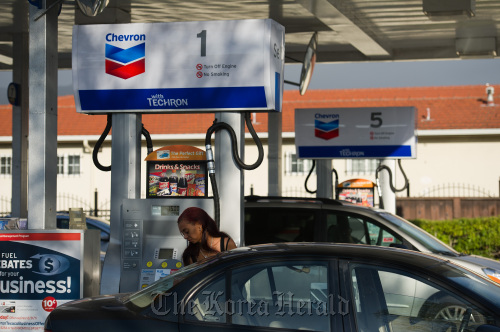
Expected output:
(151, 244)
(357, 191)
(181, 67)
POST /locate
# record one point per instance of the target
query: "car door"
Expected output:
(397, 299)
(292, 294)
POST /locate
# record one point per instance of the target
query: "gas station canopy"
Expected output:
(349, 30)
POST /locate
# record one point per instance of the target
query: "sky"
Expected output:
(357, 75)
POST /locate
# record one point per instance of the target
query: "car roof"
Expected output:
(311, 200)
(345, 251)
(318, 202)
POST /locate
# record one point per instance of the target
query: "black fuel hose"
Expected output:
(394, 189)
(149, 142)
(98, 144)
(216, 126)
(309, 175)
(336, 182)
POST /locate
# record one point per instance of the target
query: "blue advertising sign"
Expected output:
(38, 271)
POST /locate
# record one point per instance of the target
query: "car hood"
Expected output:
(475, 263)
(107, 312)
(97, 306)
(483, 261)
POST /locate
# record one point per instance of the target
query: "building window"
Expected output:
(295, 165)
(68, 164)
(60, 165)
(73, 165)
(6, 165)
(361, 166)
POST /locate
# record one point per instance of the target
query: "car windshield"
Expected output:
(425, 239)
(144, 297)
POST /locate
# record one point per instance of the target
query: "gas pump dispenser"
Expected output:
(151, 244)
(125, 70)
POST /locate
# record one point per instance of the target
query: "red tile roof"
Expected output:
(450, 107)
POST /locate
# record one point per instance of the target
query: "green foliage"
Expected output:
(478, 236)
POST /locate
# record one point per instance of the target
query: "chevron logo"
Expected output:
(326, 130)
(125, 63)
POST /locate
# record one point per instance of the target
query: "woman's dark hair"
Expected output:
(196, 215)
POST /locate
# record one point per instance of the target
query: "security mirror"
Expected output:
(92, 7)
(308, 64)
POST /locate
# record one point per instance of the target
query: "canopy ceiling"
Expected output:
(349, 30)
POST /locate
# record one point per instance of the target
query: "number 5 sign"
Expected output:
(206, 66)
(385, 132)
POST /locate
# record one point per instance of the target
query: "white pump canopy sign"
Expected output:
(367, 132)
(206, 66)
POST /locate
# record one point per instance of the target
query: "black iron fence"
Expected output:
(65, 202)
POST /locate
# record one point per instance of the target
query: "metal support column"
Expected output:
(229, 177)
(125, 183)
(20, 118)
(42, 168)
(274, 126)
(324, 178)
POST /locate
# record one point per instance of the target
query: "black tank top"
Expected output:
(222, 248)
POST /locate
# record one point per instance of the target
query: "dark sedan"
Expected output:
(298, 286)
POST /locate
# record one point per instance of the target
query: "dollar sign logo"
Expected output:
(49, 265)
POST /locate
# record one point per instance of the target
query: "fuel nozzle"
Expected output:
(210, 159)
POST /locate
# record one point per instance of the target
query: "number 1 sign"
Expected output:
(378, 132)
(207, 66)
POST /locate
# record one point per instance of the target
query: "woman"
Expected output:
(204, 238)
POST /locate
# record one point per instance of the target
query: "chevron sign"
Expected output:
(326, 130)
(364, 132)
(177, 67)
(125, 63)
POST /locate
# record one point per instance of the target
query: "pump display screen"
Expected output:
(164, 211)
(176, 178)
(165, 253)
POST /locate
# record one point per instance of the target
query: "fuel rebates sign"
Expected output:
(39, 270)
(374, 132)
(207, 66)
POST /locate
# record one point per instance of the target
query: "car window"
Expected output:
(208, 304)
(146, 296)
(417, 234)
(271, 225)
(353, 228)
(393, 300)
(342, 228)
(62, 223)
(288, 295)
